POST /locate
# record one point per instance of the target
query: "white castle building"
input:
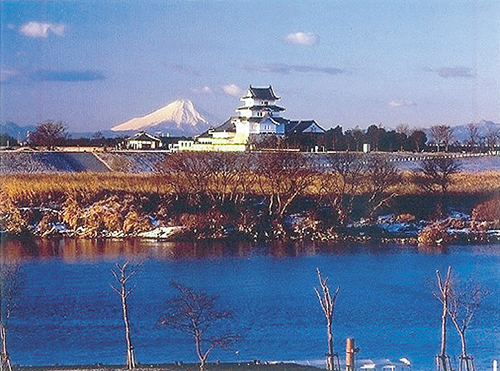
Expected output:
(259, 115)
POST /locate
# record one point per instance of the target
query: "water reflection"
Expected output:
(74, 250)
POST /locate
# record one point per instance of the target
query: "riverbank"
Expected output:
(252, 207)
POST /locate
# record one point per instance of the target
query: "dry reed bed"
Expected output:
(35, 188)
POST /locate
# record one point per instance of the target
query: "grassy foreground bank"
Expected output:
(186, 367)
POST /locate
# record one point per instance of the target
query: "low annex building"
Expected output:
(143, 140)
(258, 116)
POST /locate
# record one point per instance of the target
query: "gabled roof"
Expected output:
(279, 120)
(261, 93)
(297, 127)
(143, 136)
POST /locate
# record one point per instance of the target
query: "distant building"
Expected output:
(259, 115)
(143, 140)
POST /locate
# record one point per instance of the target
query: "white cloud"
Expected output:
(302, 38)
(203, 90)
(401, 103)
(42, 29)
(233, 90)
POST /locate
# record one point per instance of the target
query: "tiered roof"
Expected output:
(261, 93)
(272, 108)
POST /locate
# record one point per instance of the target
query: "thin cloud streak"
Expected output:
(8, 75)
(184, 69)
(203, 90)
(289, 68)
(67, 76)
(42, 29)
(453, 72)
(401, 103)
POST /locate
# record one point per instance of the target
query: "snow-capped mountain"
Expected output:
(178, 118)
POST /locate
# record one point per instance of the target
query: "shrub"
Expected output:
(405, 218)
(136, 222)
(11, 219)
(434, 234)
(46, 227)
(72, 213)
(489, 212)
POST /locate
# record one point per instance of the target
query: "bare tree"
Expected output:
(10, 285)
(122, 274)
(463, 304)
(381, 175)
(227, 171)
(492, 138)
(442, 135)
(283, 176)
(403, 129)
(473, 135)
(340, 184)
(196, 314)
(327, 302)
(436, 174)
(49, 134)
(187, 173)
(443, 295)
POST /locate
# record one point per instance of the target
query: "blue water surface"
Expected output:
(67, 313)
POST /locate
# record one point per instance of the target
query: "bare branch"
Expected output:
(195, 313)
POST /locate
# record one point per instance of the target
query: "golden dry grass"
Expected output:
(27, 188)
(32, 187)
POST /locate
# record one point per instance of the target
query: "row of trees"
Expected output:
(437, 138)
(283, 181)
(197, 315)
(276, 183)
(441, 137)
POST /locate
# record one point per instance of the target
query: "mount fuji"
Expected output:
(178, 118)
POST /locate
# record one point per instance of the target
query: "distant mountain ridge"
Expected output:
(461, 133)
(178, 118)
(16, 131)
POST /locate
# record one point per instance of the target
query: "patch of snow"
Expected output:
(160, 232)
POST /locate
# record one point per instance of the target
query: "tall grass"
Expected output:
(37, 188)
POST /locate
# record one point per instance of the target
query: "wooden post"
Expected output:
(349, 354)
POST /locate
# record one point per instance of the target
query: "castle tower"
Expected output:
(259, 103)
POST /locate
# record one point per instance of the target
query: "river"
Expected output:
(67, 314)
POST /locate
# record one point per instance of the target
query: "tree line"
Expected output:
(441, 138)
(260, 189)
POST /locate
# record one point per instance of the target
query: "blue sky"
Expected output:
(95, 64)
